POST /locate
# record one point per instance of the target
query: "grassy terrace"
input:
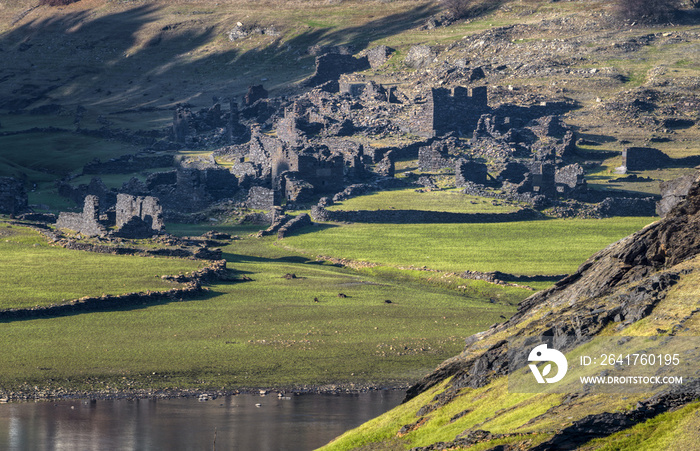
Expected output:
(408, 199)
(35, 273)
(555, 246)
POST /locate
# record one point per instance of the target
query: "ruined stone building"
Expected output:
(208, 126)
(133, 217)
(288, 127)
(330, 66)
(88, 222)
(131, 209)
(543, 178)
(368, 90)
(468, 171)
(317, 166)
(445, 110)
(434, 157)
(570, 180)
(260, 198)
(181, 123)
(194, 188)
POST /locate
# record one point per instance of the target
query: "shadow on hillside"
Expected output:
(474, 10)
(76, 58)
(687, 17)
(360, 36)
(234, 259)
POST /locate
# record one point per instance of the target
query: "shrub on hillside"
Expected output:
(57, 2)
(647, 10)
(459, 8)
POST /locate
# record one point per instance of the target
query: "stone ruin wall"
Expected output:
(331, 66)
(147, 209)
(447, 110)
(321, 214)
(433, 158)
(87, 222)
(260, 198)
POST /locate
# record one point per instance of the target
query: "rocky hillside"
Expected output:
(643, 285)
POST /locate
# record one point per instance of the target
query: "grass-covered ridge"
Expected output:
(35, 273)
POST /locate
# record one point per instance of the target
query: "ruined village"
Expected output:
(273, 154)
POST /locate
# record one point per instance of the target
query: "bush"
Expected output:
(57, 2)
(647, 10)
(458, 8)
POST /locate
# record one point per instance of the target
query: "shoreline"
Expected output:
(203, 394)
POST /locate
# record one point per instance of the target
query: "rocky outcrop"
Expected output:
(620, 284)
(673, 192)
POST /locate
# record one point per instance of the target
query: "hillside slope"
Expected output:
(643, 285)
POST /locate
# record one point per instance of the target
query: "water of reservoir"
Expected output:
(295, 423)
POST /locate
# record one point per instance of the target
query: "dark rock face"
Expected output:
(604, 424)
(673, 192)
(628, 278)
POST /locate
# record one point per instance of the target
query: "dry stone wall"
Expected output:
(321, 214)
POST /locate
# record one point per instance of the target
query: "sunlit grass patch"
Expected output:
(556, 246)
(411, 199)
(35, 273)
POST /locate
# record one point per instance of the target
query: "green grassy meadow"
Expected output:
(268, 332)
(60, 153)
(35, 273)
(547, 247)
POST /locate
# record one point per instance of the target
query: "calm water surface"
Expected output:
(295, 423)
